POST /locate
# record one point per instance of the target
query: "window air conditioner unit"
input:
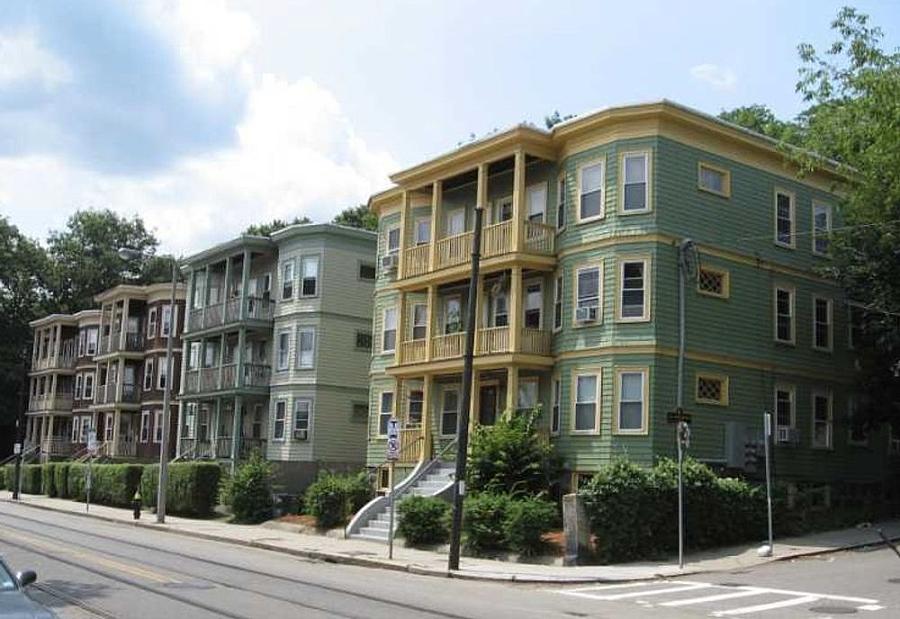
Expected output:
(585, 314)
(389, 263)
(786, 435)
(300, 435)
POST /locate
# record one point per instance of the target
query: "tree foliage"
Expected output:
(276, 224)
(357, 217)
(761, 119)
(555, 118)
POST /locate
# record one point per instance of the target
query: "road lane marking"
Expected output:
(746, 610)
(118, 566)
(642, 594)
(715, 598)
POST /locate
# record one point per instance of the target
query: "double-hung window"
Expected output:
(536, 199)
(145, 426)
(76, 426)
(278, 426)
(309, 274)
(148, 374)
(169, 320)
(78, 382)
(821, 228)
(456, 222)
(784, 315)
(287, 280)
(527, 398)
(590, 197)
(452, 315)
(555, 410)
(561, 203)
(822, 316)
(385, 412)
(635, 194)
(162, 374)
(784, 218)
(534, 301)
(393, 240)
(157, 426)
(420, 320)
(785, 411)
(415, 407)
(422, 234)
(822, 420)
(588, 292)
(501, 309)
(389, 330)
(88, 386)
(557, 302)
(194, 356)
(306, 347)
(92, 336)
(632, 401)
(302, 410)
(449, 411)
(633, 295)
(151, 323)
(283, 351)
(586, 402)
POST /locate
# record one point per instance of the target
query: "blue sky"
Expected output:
(208, 115)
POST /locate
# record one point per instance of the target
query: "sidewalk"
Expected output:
(372, 554)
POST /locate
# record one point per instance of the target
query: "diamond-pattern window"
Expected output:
(713, 282)
(712, 390)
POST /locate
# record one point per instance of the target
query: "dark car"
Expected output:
(14, 602)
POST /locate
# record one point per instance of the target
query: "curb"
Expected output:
(421, 570)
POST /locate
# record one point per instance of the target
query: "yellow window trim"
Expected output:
(620, 266)
(648, 192)
(598, 399)
(722, 378)
(645, 413)
(793, 197)
(724, 171)
(601, 291)
(726, 282)
(591, 162)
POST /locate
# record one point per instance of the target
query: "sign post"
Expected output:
(92, 451)
(393, 453)
(682, 442)
(767, 437)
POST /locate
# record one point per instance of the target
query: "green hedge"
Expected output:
(111, 484)
(632, 510)
(333, 499)
(32, 478)
(61, 477)
(249, 491)
(192, 488)
(526, 522)
(48, 479)
(424, 521)
(483, 517)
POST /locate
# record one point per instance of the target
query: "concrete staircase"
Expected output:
(436, 482)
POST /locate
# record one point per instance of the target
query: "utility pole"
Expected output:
(19, 446)
(462, 447)
(164, 442)
(682, 430)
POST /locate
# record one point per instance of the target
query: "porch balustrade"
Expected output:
(126, 447)
(411, 445)
(496, 239)
(223, 447)
(192, 381)
(453, 250)
(195, 320)
(257, 375)
(535, 341)
(54, 363)
(448, 346)
(209, 379)
(488, 341)
(56, 446)
(229, 376)
(249, 445)
(492, 340)
(414, 351)
(416, 261)
(213, 315)
(539, 238)
(229, 312)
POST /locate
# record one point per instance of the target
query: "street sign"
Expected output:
(678, 415)
(393, 439)
(17, 449)
(92, 442)
(684, 434)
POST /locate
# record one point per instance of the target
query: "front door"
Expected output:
(487, 405)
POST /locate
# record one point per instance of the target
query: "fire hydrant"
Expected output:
(136, 504)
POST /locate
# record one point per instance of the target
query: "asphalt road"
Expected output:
(90, 568)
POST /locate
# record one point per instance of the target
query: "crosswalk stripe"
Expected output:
(746, 610)
(629, 585)
(715, 598)
(625, 596)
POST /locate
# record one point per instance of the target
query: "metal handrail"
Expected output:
(415, 477)
(25, 453)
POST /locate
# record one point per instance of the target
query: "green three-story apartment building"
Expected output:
(578, 305)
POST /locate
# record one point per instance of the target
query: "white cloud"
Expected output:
(720, 78)
(22, 59)
(295, 153)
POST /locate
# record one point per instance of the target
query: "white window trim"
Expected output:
(157, 423)
(152, 315)
(387, 240)
(530, 379)
(424, 324)
(450, 213)
(600, 292)
(830, 302)
(645, 403)
(309, 417)
(793, 198)
(592, 162)
(161, 370)
(598, 374)
(88, 396)
(284, 280)
(540, 308)
(726, 181)
(380, 413)
(79, 381)
(851, 345)
(793, 291)
(726, 388)
(164, 324)
(277, 347)
(384, 312)
(812, 418)
(647, 192)
(559, 298)
(543, 211)
(447, 388)
(556, 402)
(620, 271)
(275, 419)
(497, 211)
(829, 212)
(300, 331)
(792, 389)
(149, 372)
(145, 422)
(418, 220)
(318, 292)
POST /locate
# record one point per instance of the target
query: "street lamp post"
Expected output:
(127, 253)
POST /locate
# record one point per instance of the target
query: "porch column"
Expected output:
(398, 396)
(214, 435)
(245, 284)
(205, 294)
(436, 198)
(99, 349)
(53, 380)
(236, 429)
(57, 344)
(518, 205)
(474, 402)
(427, 393)
(479, 310)
(404, 222)
(179, 423)
(239, 358)
(512, 390)
(188, 301)
(515, 308)
(429, 319)
(117, 425)
(120, 379)
(221, 361)
(124, 325)
(227, 287)
(401, 327)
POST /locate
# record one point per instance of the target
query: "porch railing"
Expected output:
(448, 346)
(257, 375)
(413, 351)
(411, 445)
(127, 448)
(453, 250)
(416, 261)
(213, 315)
(249, 445)
(535, 341)
(223, 447)
(192, 381)
(492, 340)
(209, 379)
(229, 376)
(539, 238)
(497, 239)
(56, 446)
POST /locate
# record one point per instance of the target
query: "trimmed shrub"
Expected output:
(32, 478)
(333, 499)
(250, 491)
(423, 521)
(3, 484)
(75, 483)
(111, 484)
(48, 479)
(526, 522)
(192, 488)
(61, 479)
(483, 518)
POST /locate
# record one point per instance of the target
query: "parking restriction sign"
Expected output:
(393, 439)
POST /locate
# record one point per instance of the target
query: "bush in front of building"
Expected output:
(424, 521)
(61, 479)
(527, 520)
(192, 488)
(249, 491)
(48, 479)
(632, 510)
(111, 484)
(32, 478)
(333, 498)
(483, 517)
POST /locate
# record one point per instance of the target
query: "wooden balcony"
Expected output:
(497, 240)
(448, 346)
(66, 362)
(212, 379)
(488, 341)
(229, 312)
(47, 402)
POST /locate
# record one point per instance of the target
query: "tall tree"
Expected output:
(761, 119)
(276, 224)
(853, 90)
(357, 217)
(86, 259)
